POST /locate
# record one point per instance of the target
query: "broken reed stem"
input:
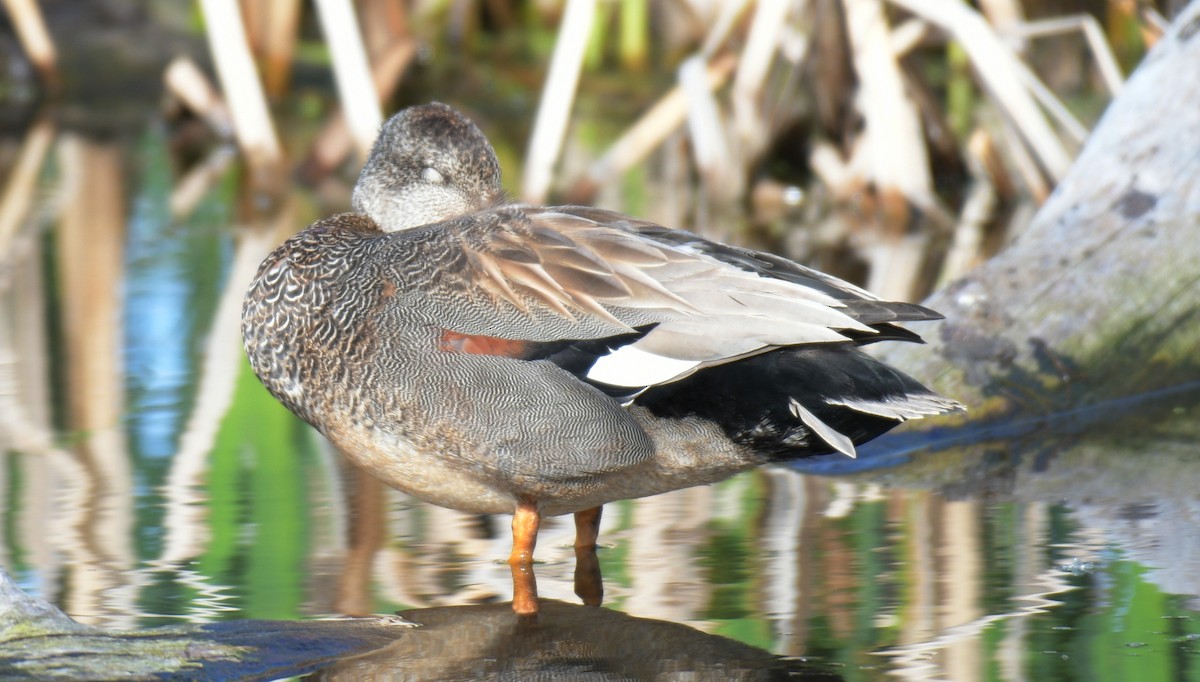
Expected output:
(26, 17)
(728, 14)
(998, 69)
(352, 72)
(1093, 34)
(762, 44)
(558, 93)
(710, 148)
(243, 91)
(1053, 105)
(897, 160)
(1005, 15)
(334, 142)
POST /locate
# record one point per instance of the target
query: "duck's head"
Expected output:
(429, 164)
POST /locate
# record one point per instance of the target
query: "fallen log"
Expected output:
(1101, 296)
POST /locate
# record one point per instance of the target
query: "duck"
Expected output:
(497, 357)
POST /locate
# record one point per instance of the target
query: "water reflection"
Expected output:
(565, 641)
(148, 478)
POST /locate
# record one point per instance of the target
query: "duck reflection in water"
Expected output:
(567, 641)
(495, 357)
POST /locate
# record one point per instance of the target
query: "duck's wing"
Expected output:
(862, 305)
(501, 279)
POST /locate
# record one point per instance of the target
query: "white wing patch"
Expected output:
(633, 367)
(837, 440)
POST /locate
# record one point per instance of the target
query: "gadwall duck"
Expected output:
(495, 357)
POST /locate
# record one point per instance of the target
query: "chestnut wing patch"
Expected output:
(574, 356)
(477, 344)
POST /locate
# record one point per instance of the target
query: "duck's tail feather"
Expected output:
(798, 402)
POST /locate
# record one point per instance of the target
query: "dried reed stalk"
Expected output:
(710, 149)
(1000, 71)
(360, 99)
(334, 143)
(1004, 15)
(647, 134)
(243, 90)
(1105, 274)
(558, 93)
(1053, 106)
(896, 157)
(26, 17)
(762, 44)
(1093, 34)
(728, 14)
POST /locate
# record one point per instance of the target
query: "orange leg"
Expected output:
(525, 529)
(589, 584)
(587, 527)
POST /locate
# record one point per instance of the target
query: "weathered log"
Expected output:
(1101, 296)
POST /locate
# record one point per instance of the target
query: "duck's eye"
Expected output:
(432, 176)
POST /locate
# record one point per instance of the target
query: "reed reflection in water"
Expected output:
(148, 478)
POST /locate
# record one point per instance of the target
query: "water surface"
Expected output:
(147, 478)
